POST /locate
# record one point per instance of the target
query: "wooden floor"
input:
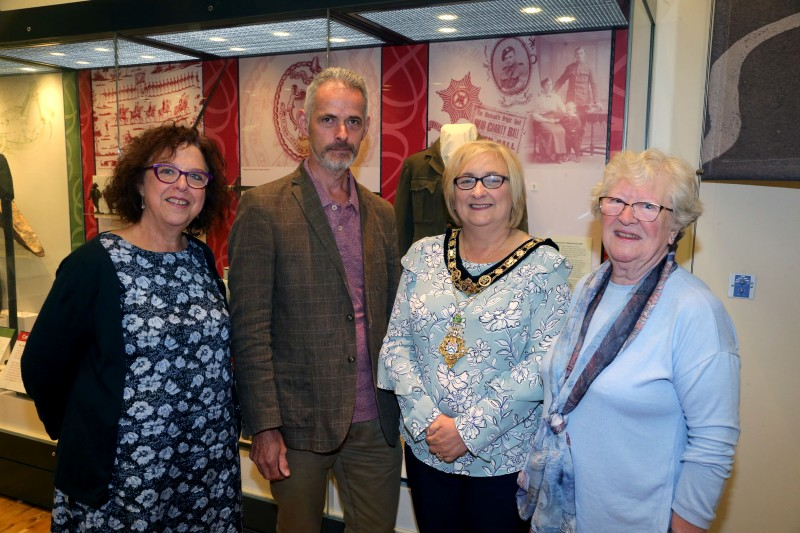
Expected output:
(19, 517)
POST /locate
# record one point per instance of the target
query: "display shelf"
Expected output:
(25, 319)
(27, 455)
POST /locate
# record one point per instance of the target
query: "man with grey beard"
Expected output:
(314, 268)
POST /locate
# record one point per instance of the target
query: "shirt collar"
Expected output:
(323, 196)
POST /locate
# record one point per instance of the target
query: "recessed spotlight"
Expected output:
(28, 69)
(59, 54)
(281, 34)
(531, 10)
(446, 30)
(338, 40)
(217, 39)
(237, 49)
(566, 19)
(148, 57)
(447, 17)
(101, 49)
(83, 62)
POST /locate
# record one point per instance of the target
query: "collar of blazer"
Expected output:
(307, 198)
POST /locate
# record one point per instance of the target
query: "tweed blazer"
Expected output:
(293, 335)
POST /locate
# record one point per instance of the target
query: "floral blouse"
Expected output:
(494, 392)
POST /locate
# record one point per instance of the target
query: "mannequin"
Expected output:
(453, 136)
(419, 201)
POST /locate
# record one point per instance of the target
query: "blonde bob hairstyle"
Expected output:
(516, 180)
(643, 169)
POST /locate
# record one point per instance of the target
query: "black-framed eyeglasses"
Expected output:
(642, 211)
(490, 181)
(167, 173)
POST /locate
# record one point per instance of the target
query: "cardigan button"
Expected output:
(350, 317)
(352, 358)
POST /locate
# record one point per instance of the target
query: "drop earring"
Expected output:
(142, 202)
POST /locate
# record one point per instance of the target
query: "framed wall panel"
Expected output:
(751, 126)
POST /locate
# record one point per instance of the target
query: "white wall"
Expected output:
(746, 228)
(33, 141)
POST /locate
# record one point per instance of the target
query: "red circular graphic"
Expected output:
(289, 98)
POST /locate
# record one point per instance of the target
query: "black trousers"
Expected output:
(452, 503)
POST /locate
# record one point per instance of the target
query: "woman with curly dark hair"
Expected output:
(129, 360)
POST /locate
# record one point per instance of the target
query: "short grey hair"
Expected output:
(647, 167)
(348, 78)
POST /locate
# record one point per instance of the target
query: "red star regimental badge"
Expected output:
(460, 99)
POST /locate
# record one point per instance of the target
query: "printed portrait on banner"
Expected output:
(512, 62)
(547, 98)
(142, 97)
(273, 91)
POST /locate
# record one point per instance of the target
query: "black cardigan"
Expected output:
(74, 368)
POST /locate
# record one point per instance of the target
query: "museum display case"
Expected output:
(79, 80)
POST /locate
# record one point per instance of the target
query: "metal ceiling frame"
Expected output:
(103, 18)
(139, 21)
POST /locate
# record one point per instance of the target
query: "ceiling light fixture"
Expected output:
(217, 39)
(147, 57)
(446, 30)
(338, 40)
(447, 17)
(530, 10)
(565, 20)
(281, 34)
(237, 49)
(28, 69)
(101, 49)
(59, 54)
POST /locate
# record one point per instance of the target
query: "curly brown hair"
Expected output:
(157, 144)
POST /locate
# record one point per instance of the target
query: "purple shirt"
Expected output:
(345, 223)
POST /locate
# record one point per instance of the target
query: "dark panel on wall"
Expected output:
(751, 128)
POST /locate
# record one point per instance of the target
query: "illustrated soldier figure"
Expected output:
(95, 194)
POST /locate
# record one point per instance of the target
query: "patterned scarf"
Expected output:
(547, 483)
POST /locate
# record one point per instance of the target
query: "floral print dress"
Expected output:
(494, 392)
(177, 460)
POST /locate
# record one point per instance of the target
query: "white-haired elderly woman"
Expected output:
(641, 403)
(476, 310)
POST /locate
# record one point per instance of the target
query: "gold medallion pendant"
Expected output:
(452, 347)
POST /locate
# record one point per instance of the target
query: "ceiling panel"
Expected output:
(507, 17)
(95, 54)
(8, 68)
(271, 38)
